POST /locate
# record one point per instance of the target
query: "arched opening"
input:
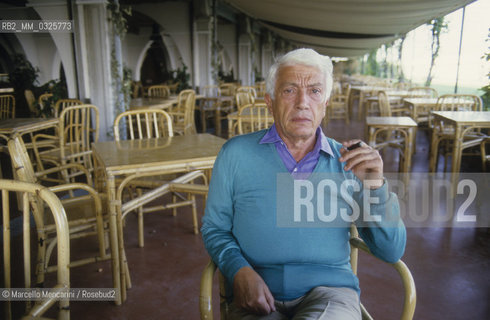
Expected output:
(156, 65)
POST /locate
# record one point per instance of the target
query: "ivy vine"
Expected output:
(121, 83)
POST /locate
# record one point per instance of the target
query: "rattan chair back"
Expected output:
(384, 104)
(62, 104)
(159, 91)
(422, 92)
(253, 117)
(243, 98)
(7, 106)
(459, 102)
(79, 127)
(143, 124)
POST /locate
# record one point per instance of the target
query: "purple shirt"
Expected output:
(306, 165)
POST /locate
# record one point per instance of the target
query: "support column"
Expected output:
(202, 52)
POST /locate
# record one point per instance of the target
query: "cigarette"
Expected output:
(354, 146)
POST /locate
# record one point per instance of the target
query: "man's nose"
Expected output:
(302, 100)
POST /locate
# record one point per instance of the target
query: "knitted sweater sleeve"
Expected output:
(381, 226)
(218, 219)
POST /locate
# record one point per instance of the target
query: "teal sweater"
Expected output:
(240, 226)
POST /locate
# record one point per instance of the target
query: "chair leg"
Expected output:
(194, 214)
(141, 235)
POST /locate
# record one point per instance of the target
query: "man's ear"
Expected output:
(325, 108)
(268, 102)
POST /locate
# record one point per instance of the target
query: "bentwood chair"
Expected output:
(260, 89)
(248, 89)
(338, 105)
(35, 196)
(442, 134)
(158, 91)
(143, 124)
(146, 124)
(253, 117)
(206, 289)
(422, 92)
(183, 113)
(62, 104)
(84, 212)
(7, 106)
(209, 105)
(395, 132)
(78, 127)
(243, 98)
(228, 89)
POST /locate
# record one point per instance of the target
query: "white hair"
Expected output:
(303, 56)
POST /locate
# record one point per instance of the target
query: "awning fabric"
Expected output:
(344, 27)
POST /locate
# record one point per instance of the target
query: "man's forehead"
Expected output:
(291, 72)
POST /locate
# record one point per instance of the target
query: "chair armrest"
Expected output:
(407, 280)
(206, 291)
(40, 174)
(80, 186)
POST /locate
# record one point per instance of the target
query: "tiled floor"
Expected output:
(450, 267)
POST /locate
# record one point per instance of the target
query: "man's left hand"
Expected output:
(364, 161)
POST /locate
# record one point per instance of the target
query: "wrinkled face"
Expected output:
(299, 105)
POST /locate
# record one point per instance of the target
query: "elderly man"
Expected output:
(287, 272)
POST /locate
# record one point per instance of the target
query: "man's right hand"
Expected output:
(251, 293)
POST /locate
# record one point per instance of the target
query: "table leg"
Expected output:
(407, 164)
(361, 105)
(111, 195)
(456, 160)
(433, 148)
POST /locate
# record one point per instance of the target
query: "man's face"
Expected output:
(299, 104)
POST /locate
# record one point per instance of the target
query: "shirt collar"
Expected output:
(272, 136)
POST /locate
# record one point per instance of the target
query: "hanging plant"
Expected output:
(121, 75)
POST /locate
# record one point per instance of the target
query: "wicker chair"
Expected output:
(338, 106)
(159, 91)
(183, 113)
(442, 135)
(206, 289)
(84, 212)
(422, 92)
(145, 124)
(389, 131)
(38, 197)
(253, 117)
(209, 105)
(78, 128)
(62, 104)
(7, 106)
(248, 89)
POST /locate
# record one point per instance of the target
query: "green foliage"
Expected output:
(226, 77)
(372, 67)
(24, 75)
(182, 77)
(58, 90)
(486, 89)
(118, 17)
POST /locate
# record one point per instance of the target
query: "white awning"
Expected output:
(344, 27)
